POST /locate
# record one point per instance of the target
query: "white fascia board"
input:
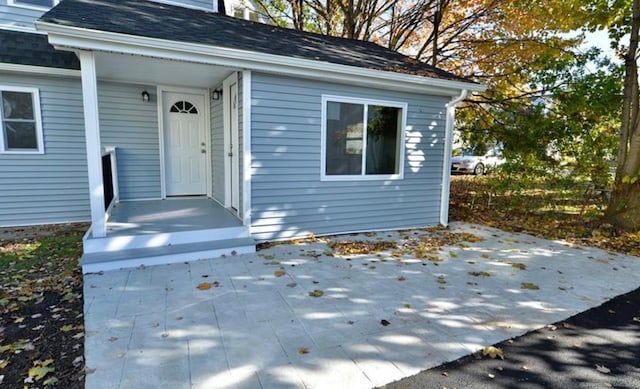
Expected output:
(42, 70)
(73, 38)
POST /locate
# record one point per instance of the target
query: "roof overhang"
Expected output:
(74, 38)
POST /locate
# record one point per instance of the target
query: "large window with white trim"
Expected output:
(362, 139)
(21, 127)
(35, 3)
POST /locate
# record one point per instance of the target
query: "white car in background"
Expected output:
(468, 162)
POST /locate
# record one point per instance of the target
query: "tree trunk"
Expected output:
(624, 208)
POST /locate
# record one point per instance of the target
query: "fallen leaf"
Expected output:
(316, 293)
(66, 328)
(520, 266)
(479, 274)
(444, 373)
(485, 256)
(384, 322)
(401, 278)
(406, 305)
(204, 286)
(51, 381)
(603, 369)
(39, 372)
(279, 273)
(530, 286)
(165, 335)
(303, 350)
(291, 285)
(493, 352)
(216, 284)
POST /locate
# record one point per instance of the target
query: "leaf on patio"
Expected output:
(406, 305)
(520, 266)
(303, 350)
(292, 285)
(485, 256)
(493, 352)
(480, 274)
(216, 284)
(401, 278)
(385, 322)
(530, 286)
(603, 369)
(279, 273)
(204, 286)
(441, 280)
(316, 293)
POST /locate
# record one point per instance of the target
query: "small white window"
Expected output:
(362, 139)
(38, 4)
(21, 127)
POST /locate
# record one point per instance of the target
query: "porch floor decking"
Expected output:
(154, 232)
(165, 216)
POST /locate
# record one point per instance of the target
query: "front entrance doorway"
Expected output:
(185, 145)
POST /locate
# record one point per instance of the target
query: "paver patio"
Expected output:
(153, 328)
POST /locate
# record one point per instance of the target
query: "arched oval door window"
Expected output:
(184, 107)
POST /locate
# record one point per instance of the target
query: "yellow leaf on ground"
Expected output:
(279, 273)
(493, 352)
(303, 350)
(39, 372)
(204, 286)
(66, 328)
(530, 286)
(316, 293)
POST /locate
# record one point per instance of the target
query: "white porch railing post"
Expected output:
(92, 135)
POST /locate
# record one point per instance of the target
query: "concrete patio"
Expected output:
(154, 328)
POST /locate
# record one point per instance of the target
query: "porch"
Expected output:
(165, 231)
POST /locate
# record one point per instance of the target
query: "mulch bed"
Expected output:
(41, 307)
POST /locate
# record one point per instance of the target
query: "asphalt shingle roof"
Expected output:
(24, 48)
(167, 22)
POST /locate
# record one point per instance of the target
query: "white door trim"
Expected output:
(226, 108)
(160, 89)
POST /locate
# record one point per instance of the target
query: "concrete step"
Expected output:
(158, 239)
(149, 256)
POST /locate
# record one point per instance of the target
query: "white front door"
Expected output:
(184, 144)
(234, 147)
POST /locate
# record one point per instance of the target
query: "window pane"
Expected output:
(344, 138)
(383, 134)
(17, 105)
(42, 3)
(20, 136)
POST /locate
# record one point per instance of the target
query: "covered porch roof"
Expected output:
(157, 30)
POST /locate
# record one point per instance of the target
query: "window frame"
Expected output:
(37, 117)
(363, 176)
(17, 3)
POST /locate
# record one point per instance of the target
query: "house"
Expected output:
(183, 133)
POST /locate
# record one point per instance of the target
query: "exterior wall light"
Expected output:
(145, 96)
(216, 94)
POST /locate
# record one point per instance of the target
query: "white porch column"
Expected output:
(92, 135)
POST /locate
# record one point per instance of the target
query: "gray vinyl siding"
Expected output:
(288, 198)
(217, 148)
(51, 187)
(131, 125)
(17, 15)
